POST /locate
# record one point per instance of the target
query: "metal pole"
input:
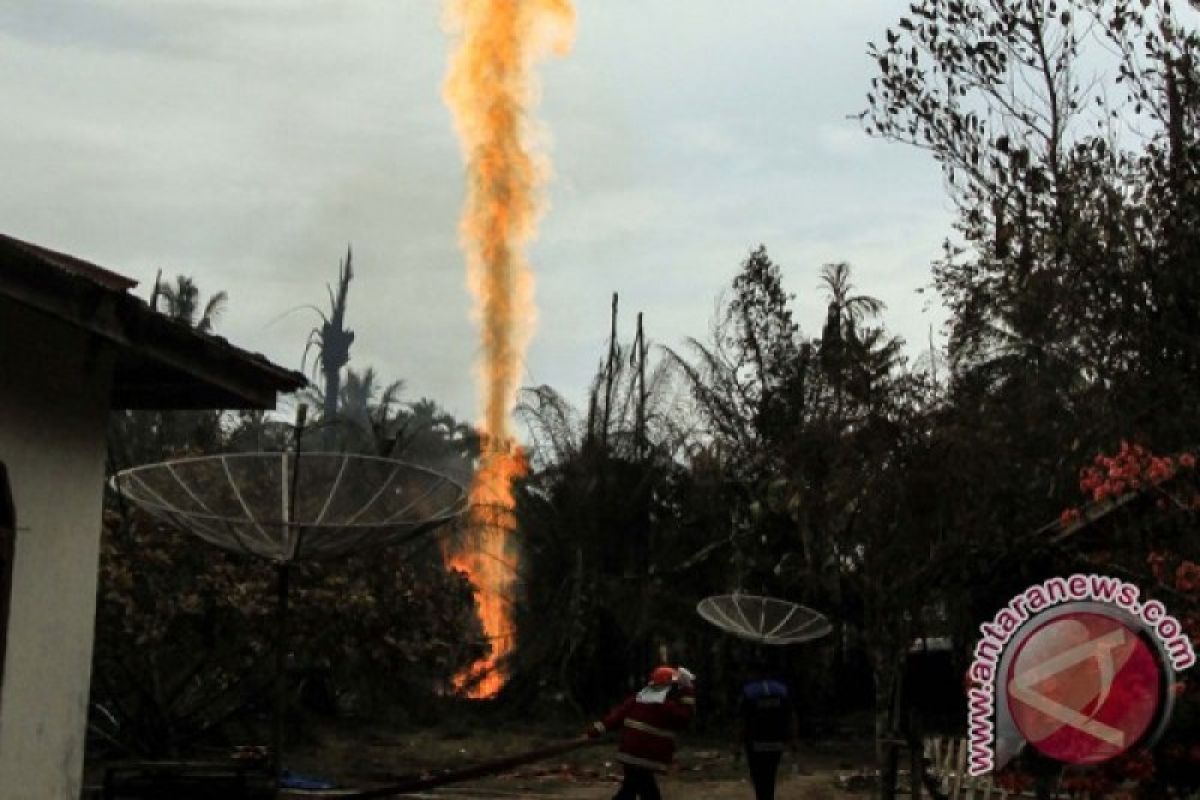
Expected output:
(281, 594)
(283, 574)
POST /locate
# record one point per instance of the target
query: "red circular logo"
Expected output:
(1084, 688)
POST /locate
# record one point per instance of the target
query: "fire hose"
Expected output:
(481, 770)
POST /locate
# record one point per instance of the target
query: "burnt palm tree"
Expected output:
(137, 437)
(854, 354)
(846, 311)
(182, 301)
(333, 340)
(368, 404)
(425, 433)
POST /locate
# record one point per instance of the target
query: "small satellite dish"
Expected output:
(765, 620)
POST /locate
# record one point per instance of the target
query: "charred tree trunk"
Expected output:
(333, 387)
(335, 341)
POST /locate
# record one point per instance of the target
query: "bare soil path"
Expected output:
(705, 769)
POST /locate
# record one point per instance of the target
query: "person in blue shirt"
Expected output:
(767, 727)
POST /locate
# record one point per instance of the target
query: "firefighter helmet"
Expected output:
(661, 676)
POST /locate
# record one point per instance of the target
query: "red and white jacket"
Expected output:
(648, 723)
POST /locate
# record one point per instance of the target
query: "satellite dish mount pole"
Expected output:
(283, 575)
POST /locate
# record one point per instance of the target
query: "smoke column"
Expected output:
(490, 89)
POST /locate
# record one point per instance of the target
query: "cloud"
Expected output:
(246, 143)
(845, 140)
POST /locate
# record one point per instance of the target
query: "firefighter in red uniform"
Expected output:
(648, 721)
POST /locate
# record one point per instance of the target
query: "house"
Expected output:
(74, 345)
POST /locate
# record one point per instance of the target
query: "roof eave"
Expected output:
(240, 380)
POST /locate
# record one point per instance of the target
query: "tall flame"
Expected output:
(486, 558)
(489, 88)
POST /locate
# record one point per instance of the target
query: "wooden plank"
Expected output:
(969, 785)
(951, 745)
(943, 764)
(947, 767)
(960, 768)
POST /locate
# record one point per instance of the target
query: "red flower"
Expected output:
(1069, 516)
(1089, 479)
(1187, 460)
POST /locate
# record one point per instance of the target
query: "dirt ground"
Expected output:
(819, 786)
(705, 768)
(362, 755)
(803, 788)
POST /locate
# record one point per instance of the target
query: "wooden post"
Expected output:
(959, 751)
(639, 352)
(643, 548)
(609, 374)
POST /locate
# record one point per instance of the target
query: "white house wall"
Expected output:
(54, 390)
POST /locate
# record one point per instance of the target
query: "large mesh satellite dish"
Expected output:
(283, 508)
(295, 506)
(766, 620)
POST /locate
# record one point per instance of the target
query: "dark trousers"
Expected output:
(639, 782)
(763, 767)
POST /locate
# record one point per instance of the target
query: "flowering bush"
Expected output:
(1173, 564)
(1131, 469)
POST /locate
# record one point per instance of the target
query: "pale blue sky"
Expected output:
(245, 142)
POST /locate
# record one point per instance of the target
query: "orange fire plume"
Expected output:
(489, 88)
(486, 558)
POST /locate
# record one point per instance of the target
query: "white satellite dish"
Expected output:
(765, 620)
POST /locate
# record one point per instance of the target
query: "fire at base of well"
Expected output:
(487, 557)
